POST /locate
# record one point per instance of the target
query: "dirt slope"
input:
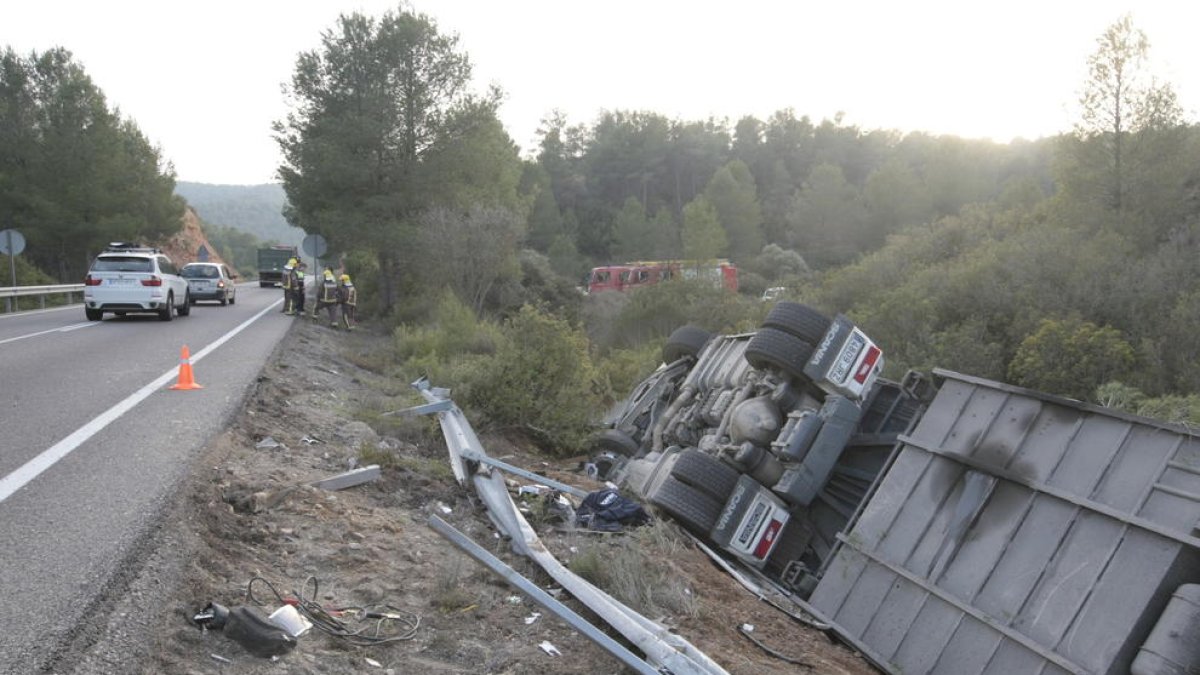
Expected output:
(183, 247)
(243, 515)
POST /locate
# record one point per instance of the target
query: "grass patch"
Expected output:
(637, 569)
(378, 411)
(435, 469)
(448, 593)
(590, 563)
(374, 361)
(432, 468)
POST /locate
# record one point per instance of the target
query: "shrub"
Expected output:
(540, 379)
(540, 285)
(599, 315)
(30, 275)
(1176, 409)
(621, 369)
(452, 330)
(776, 263)
(751, 284)
(652, 313)
(1071, 357)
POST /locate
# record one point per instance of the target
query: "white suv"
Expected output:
(128, 278)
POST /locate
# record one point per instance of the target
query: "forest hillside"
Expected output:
(1067, 264)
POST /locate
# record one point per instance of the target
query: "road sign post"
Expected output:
(12, 243)
(315, 246)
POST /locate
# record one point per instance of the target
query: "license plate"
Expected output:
(122, 282)
(752, 522)
(847, 358)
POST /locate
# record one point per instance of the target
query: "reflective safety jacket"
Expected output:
(348, 294)
(286, 279)
(328, 292)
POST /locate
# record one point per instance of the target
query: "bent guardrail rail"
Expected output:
(661, 648)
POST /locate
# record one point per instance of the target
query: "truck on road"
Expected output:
(271, 261)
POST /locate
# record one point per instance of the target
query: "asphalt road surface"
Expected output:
(93, 444)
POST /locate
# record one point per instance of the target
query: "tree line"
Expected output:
(74, 173)
(1063, 263)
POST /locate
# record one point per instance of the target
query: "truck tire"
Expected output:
(705, 473)
(773, 348)
(617, 441)
(691, 508)
(685, 341)
(800, 320)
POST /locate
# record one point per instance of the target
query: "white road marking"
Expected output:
(63, 329)
(50, 456)
(77, 326)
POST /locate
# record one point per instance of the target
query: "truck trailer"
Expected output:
(271, 261)
(944, 524)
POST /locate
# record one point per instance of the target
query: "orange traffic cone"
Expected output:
(185, 372)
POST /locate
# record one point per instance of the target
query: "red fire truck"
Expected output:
(633, 275)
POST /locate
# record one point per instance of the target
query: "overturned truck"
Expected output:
(955, 526)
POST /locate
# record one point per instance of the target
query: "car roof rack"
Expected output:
(129, 247)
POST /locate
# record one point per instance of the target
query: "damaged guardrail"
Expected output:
(663, 649)
(540, 597)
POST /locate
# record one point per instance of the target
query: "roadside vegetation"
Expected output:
(1067, 264)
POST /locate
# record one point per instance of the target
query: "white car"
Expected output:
(127, 279)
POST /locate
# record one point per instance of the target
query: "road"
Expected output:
(93, 445)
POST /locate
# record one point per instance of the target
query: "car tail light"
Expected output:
(152, 281)
(89, 280)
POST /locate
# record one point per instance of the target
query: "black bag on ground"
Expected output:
(250, 629)
(607, 511)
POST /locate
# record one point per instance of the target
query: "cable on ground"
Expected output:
(380, 623)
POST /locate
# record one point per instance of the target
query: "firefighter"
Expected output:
(327, 297)
(289, 299)
(348, 299)
(298, 288)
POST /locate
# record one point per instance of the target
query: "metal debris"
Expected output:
(542, 598)
(349, 479)
(663, 649)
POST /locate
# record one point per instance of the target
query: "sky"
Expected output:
(204, 80)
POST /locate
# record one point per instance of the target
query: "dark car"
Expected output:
(210, 281)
